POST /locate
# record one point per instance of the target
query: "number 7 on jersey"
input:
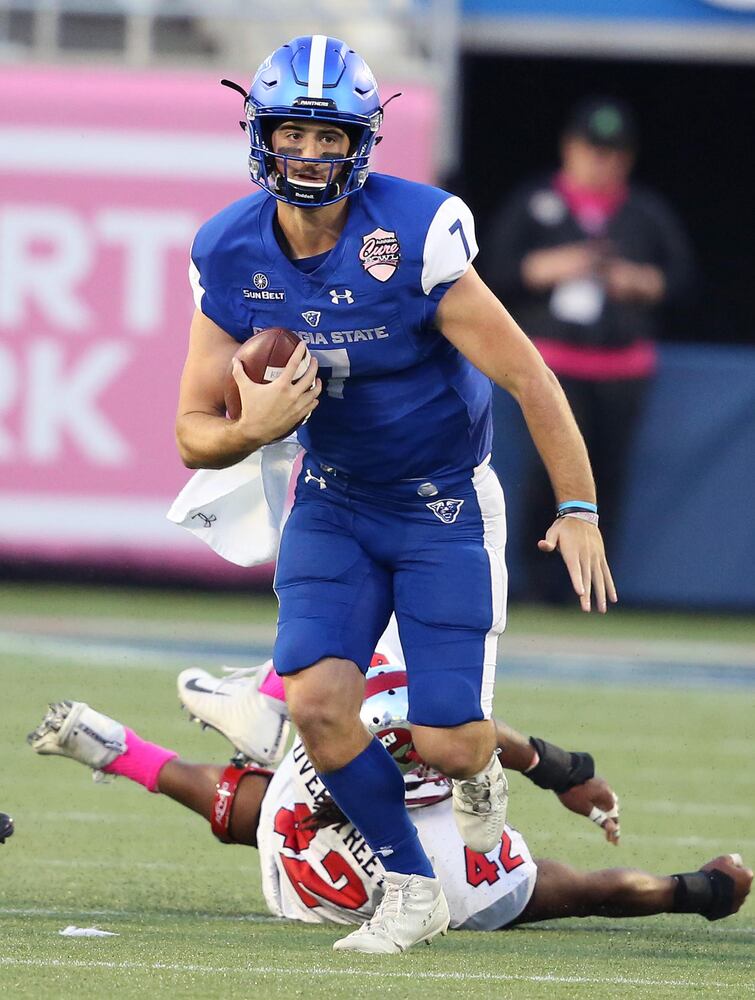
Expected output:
(337, 360)
(458, 228)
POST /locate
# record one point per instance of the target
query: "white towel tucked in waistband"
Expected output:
(240, 511)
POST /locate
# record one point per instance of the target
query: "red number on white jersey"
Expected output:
(350, 895)
(308, 885)
(509, 863)
(481, 869)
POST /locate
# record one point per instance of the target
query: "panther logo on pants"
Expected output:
(446, 510)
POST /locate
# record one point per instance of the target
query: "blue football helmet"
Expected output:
(313, 78)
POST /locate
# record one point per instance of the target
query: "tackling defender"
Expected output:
(317, 867)
(396, 508)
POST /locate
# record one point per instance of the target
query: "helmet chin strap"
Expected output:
(303, 190)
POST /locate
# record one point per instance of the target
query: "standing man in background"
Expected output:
(586, 261)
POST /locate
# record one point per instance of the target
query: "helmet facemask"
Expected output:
(345, 174)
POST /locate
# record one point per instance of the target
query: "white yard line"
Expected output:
(72, 816)
(112, 627)
(145, 865)
(120, 655)
(693, 808)
(362, 973)
(633, 650)
(146, 916)
(628, 837)
(527, 646)
(733, 664)
(142, 915)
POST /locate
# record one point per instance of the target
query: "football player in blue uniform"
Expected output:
(396, 508)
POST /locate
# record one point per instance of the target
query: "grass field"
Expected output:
(188, 912)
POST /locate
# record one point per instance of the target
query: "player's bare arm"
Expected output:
(476, 323)
(548, 766)
(206, 438)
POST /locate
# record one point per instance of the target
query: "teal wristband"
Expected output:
(578, 505)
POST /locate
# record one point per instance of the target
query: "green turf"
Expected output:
(189, 912)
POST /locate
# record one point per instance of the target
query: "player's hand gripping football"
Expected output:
(595, 799)
(271, 411)
(581, 548)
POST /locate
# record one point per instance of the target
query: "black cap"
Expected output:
(603, 122)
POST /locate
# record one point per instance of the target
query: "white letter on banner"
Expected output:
(145, 237)
(8, 394)
(46, 275)
(60, 400)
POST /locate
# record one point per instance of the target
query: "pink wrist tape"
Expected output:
(141, 762)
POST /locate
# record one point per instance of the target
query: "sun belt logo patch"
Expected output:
(446, 510)
(380, 254)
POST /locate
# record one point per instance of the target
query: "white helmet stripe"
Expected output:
(316, 66)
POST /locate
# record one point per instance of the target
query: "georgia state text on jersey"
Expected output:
(399, 401)
(331, 875)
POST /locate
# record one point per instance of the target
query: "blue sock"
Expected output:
(370, 791)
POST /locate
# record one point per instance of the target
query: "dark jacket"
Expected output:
(643, 230)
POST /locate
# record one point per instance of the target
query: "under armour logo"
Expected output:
(309, 478)
(446, 510)
(207, 520)
(337, 297)
(311, 316)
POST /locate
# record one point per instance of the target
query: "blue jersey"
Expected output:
(399, 401)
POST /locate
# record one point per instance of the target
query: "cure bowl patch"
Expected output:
(380, 254)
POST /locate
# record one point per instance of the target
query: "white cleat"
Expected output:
(73, 729)
(480, 807)
(413, 909)
(256, 724)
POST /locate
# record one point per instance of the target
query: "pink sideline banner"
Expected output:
(105, 176)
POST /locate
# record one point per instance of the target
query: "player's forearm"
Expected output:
(556, 436)
(515, 751)
(545, 764)
(206, 441)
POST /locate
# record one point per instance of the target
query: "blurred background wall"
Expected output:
(116, 142)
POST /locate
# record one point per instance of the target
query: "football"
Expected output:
(6, 827)
(264, 356)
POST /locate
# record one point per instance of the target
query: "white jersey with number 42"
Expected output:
(332, 876)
